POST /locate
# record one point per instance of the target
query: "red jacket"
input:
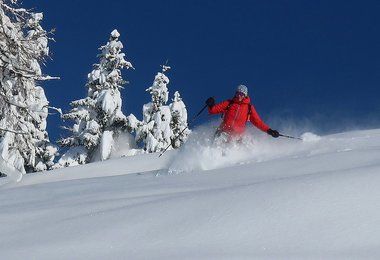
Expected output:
(236, 116)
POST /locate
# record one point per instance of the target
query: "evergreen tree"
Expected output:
(178, 123)
(98, 117)
(161, 123)
(154, 130)
(24, 141)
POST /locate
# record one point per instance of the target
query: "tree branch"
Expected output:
(14, 132)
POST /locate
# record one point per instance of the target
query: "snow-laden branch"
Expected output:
(14, 10)
(56, 109)
(6, 99)
(14, 132)
(47, 78)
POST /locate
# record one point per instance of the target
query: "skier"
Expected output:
(236, 113)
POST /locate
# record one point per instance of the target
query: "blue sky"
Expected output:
(304, 62)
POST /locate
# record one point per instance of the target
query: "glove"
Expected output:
(210, 102)
(273, 133)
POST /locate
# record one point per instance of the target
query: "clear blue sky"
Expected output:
(315, 60)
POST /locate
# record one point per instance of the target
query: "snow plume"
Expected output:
(201, 152)
(323, 124)
(98, 117)
(25, 144)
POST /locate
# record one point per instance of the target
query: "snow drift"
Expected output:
(279, 198)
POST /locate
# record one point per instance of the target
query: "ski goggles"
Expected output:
(239, 94)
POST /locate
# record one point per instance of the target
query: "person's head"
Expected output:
(241, 92)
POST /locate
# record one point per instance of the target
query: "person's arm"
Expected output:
(256, 120)
(216, 108)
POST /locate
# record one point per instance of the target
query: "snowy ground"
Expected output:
(274, 199)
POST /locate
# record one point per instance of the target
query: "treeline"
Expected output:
(95, 123)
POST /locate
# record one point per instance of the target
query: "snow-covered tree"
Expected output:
(178, 123)
(154, 130)
(98, 117)
(161, 123)
(24, 141)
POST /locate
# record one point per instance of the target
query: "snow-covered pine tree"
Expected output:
(98, 117)
(161, 123)
(24, 141)
(178, 123)
(154, 130)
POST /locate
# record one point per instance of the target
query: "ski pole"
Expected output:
(192, 120)
(291, 137)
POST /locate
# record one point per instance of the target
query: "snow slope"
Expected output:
(274, 199)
